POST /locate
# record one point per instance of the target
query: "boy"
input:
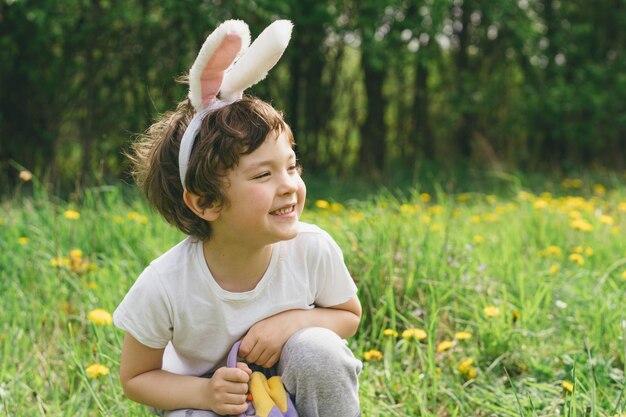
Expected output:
(249, 270)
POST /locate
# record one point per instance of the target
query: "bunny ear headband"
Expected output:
(226, 65)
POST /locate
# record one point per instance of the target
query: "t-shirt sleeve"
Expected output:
(335, 285)
(145, 312)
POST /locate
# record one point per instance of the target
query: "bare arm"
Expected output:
(144, 381)
(264, 341)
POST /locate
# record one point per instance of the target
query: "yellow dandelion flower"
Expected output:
(57, 262)
(491, 311)
(588, 251)
(71, 214)
(356, 216)
(577, 258)
(436, 209)
(478, 239)
(616, 230)
(426, 219)
(574, 214)
(491, 217)
(96, 370)
(541, 204)
(599, 190)
(622, 206)
(462, 335)
(606, 219)
(475, 219)
(465, 365)
(436, 227)
(572, 183)
(552, 250)
(142, 219)
(623, 276)
(322, 204)
(336, 207)
(26, 175)
(76, 254)
(582, 225)
(373, 354)
(117, 219)
(414, 333)
(390, 333)
(132, 215)
(491, 199)
(100, 317)
(444, 345)
(463, 198)
(92, 285)
(409, 208)
(23, 240)
(515, 315)
(471, 373)
(568, 386)
(425, 197)
(554, 268)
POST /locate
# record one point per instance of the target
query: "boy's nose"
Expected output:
(289, 184)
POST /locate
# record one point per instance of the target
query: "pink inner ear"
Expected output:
(213, 72)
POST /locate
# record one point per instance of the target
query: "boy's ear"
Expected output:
(210, 213)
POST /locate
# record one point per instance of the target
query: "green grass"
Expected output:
(433, 265)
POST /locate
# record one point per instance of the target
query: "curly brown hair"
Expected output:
(225, 135)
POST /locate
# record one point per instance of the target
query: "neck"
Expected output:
(234, 267)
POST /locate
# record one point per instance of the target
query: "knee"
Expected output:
(320, 351)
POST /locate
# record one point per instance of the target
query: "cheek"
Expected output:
(301, 196)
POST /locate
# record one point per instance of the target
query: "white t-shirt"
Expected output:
(176, 303)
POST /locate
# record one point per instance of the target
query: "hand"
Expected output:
(264, 341)
(229, 389)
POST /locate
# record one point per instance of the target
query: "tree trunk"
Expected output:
(293, 116)
(421, 106)
(463, 129)
(372, 151)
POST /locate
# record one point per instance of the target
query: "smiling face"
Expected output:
(264, 196)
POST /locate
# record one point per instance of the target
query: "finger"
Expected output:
(237, 388)
(235, 399)
(235, 375)
(264, 358)
(271, 361)
(232, 409)
(247, 345)
(244, 367)
(254, 355)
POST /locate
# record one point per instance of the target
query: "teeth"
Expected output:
(283, 211)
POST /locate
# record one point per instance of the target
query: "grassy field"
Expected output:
(475, 304)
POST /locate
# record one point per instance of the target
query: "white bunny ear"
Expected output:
(254, 65)
(227, 42)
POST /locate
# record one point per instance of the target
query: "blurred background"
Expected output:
(371, 89)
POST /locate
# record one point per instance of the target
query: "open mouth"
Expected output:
(283, 211)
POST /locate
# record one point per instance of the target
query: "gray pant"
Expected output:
(319, 370)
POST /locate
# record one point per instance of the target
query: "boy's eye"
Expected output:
(262, 175)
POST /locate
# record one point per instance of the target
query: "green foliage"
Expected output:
(532, 269)
(368, 87)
